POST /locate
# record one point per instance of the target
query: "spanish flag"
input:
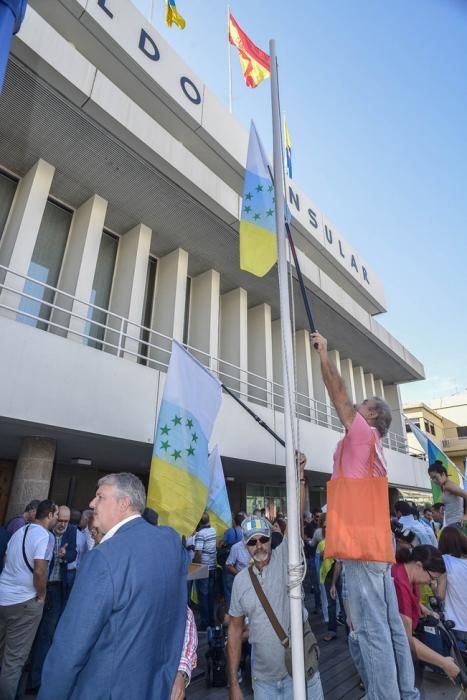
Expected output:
(258, 241)
(172, 15)
(254, 62)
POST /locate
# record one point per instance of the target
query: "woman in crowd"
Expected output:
(454, 498)
(421, 565)
(315, 540)
(453, 587)
(331, 578)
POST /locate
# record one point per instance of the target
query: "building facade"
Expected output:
(120, 189)
(445, 422)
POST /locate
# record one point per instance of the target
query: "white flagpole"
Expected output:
(229, 59)
(293, 532)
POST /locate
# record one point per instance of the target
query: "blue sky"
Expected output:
(376, 100)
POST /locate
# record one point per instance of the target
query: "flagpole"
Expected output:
(293, 532)
(229, 59)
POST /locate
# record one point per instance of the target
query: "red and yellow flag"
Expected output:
(255, 63)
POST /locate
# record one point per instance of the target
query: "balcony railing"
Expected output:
(27, 300)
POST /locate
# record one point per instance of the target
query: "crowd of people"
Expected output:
(100, 604)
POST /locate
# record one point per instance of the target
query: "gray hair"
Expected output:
(384, 418)
(127, 486)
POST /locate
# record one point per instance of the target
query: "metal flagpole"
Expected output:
(293, 532)
(229, 58)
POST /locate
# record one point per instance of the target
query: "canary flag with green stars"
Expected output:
(258, 242)
(180, 476)
(218, 507)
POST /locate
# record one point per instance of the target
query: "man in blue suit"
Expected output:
(121, 634)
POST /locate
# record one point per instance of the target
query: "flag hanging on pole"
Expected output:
(218, 507)
(288, 149)
(179, 478)
(255, 63)
(258, 241)
(433, 453)
(172, 15)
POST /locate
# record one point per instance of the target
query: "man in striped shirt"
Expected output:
(206, 553)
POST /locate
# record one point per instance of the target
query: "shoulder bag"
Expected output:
(310, 644)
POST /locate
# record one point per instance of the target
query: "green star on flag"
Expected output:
(165, 430)
(189, 423)
(176, 420)
(190, 451)
(165, 445)
(194, 437)
(176, 454)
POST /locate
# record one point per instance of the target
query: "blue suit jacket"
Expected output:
(121, 634)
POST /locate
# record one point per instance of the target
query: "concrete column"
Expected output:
(393, 397)
(127, 299)
(234, 340)
(321, 399)
(168, 314)
(303, 350)
(79, 267)
(334, 356)
(379, 388)
(260, 354)
(20, 233)
(369, 385)
(32, 474)
(203, 332)
(347, 376)
(359, 382)
(277, 364)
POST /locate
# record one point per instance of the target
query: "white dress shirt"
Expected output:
(116, 527)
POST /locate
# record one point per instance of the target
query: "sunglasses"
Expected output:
(253, 543)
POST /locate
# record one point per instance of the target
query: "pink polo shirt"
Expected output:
(356, 445)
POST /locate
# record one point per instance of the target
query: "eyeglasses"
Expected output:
(253, 543)
(432, 578)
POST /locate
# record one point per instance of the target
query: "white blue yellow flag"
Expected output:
(220, 515)
(179, 479)
(258, 242)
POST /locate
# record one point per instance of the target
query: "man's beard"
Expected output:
(260, 556)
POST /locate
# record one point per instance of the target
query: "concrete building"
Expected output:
(445, 422)
(120, 184)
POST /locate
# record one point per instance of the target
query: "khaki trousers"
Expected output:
(18, 626)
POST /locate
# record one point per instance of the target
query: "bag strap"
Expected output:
(278, 629)
(24, 550)
(372, 455)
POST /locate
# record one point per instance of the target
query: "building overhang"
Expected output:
(101, 142)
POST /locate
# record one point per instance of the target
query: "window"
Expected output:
(7, 192)
(101, 288)
(429, 427)
(408, 429)
(46, 263)
(462, 431)
(147, 309)
(270, 497)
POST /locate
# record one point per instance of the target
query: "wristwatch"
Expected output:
(186, 678)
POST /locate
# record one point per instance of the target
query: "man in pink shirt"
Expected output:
(377, 641)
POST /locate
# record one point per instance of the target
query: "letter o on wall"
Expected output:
(190, 90)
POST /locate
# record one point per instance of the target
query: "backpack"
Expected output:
(224, 550)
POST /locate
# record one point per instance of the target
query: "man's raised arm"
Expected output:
(334, 383)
